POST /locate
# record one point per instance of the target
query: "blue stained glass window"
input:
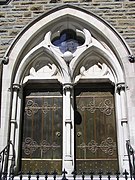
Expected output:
(68, 41)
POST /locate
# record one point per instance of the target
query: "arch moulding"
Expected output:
(32, 45)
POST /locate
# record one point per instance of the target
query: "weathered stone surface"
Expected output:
(17, 14)
(13, 32)
(129, 4)
(27, 14)
(2, 15)
(36, 7)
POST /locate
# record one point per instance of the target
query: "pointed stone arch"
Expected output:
(101, 40)
(107, 58)
(64, 14)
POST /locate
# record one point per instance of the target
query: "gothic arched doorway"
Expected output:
(67, 63)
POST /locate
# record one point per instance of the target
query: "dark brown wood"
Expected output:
(96, 137)
(42, 131)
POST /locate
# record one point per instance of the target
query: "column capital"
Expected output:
(67, 87)
(4, 60)
(124, 120)
(16, 87)
(121, 86)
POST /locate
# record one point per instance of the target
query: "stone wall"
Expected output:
(17, 14)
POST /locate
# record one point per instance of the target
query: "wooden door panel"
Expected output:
(96, 146)
(42, 132)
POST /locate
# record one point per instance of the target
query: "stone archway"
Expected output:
(32, 51)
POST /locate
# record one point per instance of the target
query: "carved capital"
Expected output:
(67, 87)
(121, 87)
(16, 87)
(68, 121)
(4, 60)
(124, 120)
(131, 58)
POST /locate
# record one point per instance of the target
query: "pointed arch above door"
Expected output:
(65, 17)
(34, 57)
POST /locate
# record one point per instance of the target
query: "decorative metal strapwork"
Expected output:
(104, 106)
(29, 146)
(95, 130)
(32, 107)
(108, 146)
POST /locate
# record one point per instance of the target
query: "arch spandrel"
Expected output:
(104, 57)
(47, 62)
(41, 25)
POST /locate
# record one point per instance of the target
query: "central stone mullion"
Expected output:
(67, 149)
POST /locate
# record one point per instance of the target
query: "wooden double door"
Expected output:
(95, 130)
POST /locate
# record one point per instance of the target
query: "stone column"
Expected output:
(67, 133)
(121, 87)
(13, 126)
(13, 123)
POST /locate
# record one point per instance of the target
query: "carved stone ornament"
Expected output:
(67, 87)
(121, 86)
(67, 48)
(16, 87)
(69, 40)
(46, 72)
(98, 70)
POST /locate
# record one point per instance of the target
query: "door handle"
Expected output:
(79, 133)
(58, 134)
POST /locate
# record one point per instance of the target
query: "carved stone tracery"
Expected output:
(96, 70)
(45, 72)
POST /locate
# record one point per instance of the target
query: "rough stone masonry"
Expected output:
(15, 15)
